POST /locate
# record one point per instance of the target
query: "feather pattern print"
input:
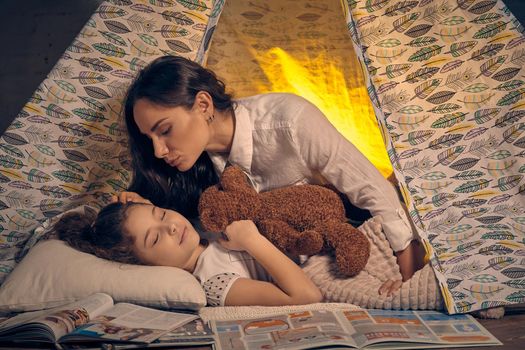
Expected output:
(484, 292)
(404, 22)
(448, 156)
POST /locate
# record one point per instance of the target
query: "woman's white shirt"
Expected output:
(282, 139)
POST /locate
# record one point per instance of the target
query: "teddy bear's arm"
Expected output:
(351, 246)
(289, 240)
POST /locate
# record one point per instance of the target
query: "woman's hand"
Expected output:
(125, 197)
(410, 260)
(240, 234)
(389, 287)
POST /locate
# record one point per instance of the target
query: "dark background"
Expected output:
(34, 33)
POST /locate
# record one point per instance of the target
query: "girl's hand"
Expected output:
(290, 285)
(240, 235)
(125, 197)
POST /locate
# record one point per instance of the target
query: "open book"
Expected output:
(193, 334)
(362, 329)
(93, 319)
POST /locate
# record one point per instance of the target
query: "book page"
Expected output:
(128, 322)
(377, 329)
(374, 326)
(65, 319)
(456, 329)
(296, 330)
(60, 320)
(191, 334)
(404, 326)
(195, 332)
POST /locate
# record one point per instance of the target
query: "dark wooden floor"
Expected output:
(510, 330)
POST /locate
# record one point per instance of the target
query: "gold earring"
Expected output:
(210, 118)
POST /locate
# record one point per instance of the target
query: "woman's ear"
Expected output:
(204, 103)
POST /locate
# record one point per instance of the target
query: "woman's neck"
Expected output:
(222, 129)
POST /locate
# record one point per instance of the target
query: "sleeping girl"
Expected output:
(240, 268)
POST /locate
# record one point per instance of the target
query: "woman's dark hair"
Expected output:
(104, 237)
(171, 82)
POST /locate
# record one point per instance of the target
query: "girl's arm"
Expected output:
(292, 285)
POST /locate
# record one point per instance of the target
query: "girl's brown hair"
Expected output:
(104, 237)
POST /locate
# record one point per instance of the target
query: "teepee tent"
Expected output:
(303, 48)
(443, 78)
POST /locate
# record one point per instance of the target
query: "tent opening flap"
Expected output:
(302, 47)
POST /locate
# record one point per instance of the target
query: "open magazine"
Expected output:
(93, 319)
(362, 329)
(194, 334)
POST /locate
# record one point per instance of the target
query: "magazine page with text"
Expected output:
(377, 329)
(129, 323)
(194, 333)
(50, 325)
(399, 327)
(297, 330)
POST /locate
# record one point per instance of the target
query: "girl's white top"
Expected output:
(217, 268)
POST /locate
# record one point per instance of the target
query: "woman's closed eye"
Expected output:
(163, 215)
(165, 131)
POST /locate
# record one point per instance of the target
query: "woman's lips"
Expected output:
(173, 162)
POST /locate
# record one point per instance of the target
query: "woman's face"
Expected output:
(179, 135)
(162, 237)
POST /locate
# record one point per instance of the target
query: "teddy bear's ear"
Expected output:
(233, 179)
(211, 211)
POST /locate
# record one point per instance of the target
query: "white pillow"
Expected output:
(53, 273)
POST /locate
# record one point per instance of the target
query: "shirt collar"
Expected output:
(241, 152)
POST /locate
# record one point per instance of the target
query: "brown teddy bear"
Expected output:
(299, 220)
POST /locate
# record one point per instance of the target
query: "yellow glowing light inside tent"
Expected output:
(322, 83)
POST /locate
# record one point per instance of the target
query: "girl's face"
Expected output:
(179, 135)
(162, 237)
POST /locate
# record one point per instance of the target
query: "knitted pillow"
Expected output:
(420, 292)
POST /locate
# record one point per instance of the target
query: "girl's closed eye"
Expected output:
(163, 215)
(157, 237)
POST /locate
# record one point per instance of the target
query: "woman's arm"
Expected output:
(325, 151)
(292, 285)
(328, 153)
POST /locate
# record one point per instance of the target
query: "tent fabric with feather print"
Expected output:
(446, 81)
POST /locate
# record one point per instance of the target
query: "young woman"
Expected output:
(243, 268)
(184, 128)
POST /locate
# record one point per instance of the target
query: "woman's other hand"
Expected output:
(240, 235)
(410, 260)
(125, 197)
(389, 287)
